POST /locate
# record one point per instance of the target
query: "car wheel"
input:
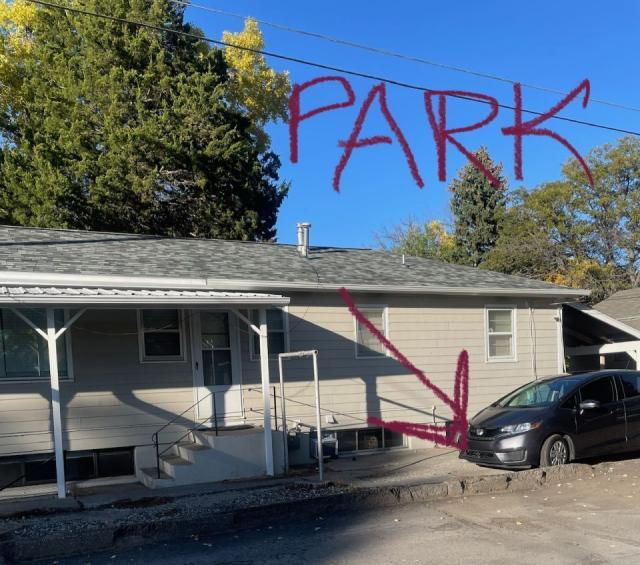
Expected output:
(555, 451)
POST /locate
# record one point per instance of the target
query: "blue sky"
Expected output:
(548, 43)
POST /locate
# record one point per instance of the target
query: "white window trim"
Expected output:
(513, 308)
(254, 356)
(385, 317)
(69, 378)
(182, 358)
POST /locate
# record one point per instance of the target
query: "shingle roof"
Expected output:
(99, 254)
(67, 295)
(624, 306)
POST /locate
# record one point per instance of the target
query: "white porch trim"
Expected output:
(55, 402)
(51, 336)
(266, 397)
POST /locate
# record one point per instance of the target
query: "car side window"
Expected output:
(630, 384)
(571, 403)
(600, 390)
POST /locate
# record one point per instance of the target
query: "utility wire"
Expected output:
(309, 63)
(389, 53)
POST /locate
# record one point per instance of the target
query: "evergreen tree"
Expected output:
(477, 208)
(118, 127)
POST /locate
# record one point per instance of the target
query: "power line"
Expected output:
(306, 62)
(396, 54)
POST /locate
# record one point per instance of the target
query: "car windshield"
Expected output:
(539, 393)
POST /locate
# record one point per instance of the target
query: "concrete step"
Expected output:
(171, 464)
(210, 438)
(188, 450)
(149, 476)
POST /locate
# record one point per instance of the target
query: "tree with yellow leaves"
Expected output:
(113, 126)
(16, 19)
(254, 86)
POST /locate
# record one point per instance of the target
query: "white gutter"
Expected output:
(137, 300)
(12, 278)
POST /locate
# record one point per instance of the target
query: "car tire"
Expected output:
(555, 451)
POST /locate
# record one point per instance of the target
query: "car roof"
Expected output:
(590, 375)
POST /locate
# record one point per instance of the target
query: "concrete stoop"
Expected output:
(228, 455)
(89, 531)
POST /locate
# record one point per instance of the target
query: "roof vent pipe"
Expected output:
(303, 239)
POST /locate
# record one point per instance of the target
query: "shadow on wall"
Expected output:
(116, 401)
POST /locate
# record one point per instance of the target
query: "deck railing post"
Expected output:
(215, 414)
(275, 409)
(157, 447)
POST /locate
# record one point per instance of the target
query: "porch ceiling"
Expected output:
(131, 297)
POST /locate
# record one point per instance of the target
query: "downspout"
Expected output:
(532, 338)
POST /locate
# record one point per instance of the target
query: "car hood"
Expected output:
(496, 416)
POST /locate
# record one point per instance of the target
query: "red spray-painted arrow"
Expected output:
(452, 435)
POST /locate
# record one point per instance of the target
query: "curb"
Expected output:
(117, 536)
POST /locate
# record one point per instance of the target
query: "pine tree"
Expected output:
(118, 127)
(477, 208)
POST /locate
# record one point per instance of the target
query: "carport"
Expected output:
(594, 340)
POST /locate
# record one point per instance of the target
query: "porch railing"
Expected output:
(199, 425)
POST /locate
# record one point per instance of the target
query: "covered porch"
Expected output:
(195, 332)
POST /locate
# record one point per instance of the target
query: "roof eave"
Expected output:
(72, 280)
(606, 319)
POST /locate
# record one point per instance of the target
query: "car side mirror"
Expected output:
(589, 405)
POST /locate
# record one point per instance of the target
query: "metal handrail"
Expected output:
(155, 436)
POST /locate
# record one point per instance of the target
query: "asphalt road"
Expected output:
(586, 522)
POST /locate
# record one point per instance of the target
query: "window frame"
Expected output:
(619, 381)
(230, 349)
(143, 358)
(357, 429)
(385, 318)
(615, 395)
(255, 355)
(70, 376)
(513, 358)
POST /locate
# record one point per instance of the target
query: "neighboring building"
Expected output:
(155, 325)
(605, 336)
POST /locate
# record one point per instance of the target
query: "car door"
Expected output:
(630, 385)
(600, 430)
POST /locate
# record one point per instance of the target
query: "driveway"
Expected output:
(404, 467)
(586, 521)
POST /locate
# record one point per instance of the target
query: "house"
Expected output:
(116, 346)
(606, 335)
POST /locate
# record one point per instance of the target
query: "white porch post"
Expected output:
(266, 396)
(55, 402)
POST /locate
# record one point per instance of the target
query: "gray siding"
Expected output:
(117, 401)
(113, 401)
(431, 331)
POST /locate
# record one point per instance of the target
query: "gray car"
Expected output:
(557, 420)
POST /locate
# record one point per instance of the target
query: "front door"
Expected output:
(216, 366)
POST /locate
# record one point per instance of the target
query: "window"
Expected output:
(368, 439)
(160, 335)
(24, 352)
(216, 348)
(630, 384)
(539, 393)
(367, 345)
(277, 330)
(79, 465)
(600, 390)
(500, 325)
